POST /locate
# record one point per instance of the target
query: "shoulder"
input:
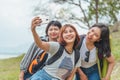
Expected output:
(54, 47)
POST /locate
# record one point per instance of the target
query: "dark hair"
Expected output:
(61, 40)
(103, 45)
(53, 23)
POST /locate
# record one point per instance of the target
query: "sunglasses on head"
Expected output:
(87, 53)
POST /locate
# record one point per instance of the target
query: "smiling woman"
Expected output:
(61, 68)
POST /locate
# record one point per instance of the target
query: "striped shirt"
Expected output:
(30, 55)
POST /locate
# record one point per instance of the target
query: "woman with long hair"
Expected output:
(62, 67)
(95, 45)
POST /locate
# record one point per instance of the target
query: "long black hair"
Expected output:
(104, 49)
(53, 23)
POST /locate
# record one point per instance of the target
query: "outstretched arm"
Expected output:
(41, 44)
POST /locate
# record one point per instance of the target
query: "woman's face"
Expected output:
(53, 32)
(93, 34)
(69, 35)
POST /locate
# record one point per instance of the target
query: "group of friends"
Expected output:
(95, 45)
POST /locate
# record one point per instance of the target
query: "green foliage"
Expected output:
(106, 8)
(116, 53)
(116, 45)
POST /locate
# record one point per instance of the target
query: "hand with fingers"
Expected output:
(35, 22)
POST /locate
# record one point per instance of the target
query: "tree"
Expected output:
(97, 10)
(84, 12)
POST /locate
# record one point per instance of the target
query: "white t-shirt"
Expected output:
(62, 66)
(92, 56)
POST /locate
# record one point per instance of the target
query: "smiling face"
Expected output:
(69, 35)
(53, 32)
(93, 34)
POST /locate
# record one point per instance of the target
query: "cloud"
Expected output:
(15, 18)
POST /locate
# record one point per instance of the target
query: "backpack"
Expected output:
(41, 60)
(40, 57)
(38, 62)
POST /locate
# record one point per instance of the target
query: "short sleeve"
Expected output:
(54, 47)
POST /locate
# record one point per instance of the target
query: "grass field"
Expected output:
(9, 68)
(116, 53)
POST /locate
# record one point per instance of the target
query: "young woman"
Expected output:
(95, 44)
(52, 33)
(62, 67)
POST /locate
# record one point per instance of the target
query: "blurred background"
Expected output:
(15, 22)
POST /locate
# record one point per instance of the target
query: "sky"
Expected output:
(15, 18)
(15, 21)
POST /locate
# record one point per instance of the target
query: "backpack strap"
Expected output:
(56, 56)
(80, 42)
(77, 55)
(59, 54)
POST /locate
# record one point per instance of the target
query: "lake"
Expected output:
(6, 56)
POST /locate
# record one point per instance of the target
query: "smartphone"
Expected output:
(45, 19)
